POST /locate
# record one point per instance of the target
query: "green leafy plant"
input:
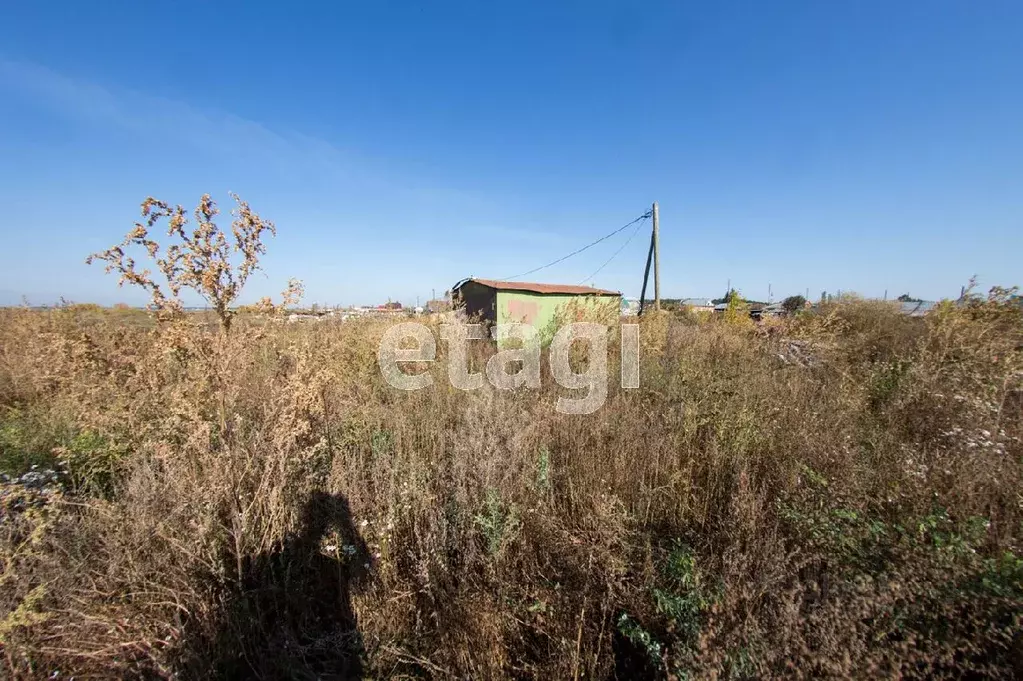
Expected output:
(543, 471)
(499, 522)
(92, 462)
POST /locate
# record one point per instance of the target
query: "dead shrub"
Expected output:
(855, 513)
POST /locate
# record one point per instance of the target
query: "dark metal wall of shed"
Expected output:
(480, 301)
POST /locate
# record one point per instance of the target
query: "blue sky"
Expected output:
(400, 147)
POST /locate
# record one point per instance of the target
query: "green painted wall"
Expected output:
(540, 309)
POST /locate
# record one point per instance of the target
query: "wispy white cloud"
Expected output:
(319, 163)
(365, 196)
(216, 134)
(173, 122)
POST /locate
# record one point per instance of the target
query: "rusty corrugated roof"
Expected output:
(564, 289)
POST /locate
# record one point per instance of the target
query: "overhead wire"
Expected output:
(616, 253)
(587, 246)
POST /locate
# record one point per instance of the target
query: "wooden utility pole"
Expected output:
(657, 259)
(646, 274)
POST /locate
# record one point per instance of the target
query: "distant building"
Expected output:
(505, 302)
(916, 308)
(438, 305)
(698, 304)
(771, 310)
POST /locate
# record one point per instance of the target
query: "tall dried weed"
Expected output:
(849, 511)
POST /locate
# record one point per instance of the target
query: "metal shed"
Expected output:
(504, 302)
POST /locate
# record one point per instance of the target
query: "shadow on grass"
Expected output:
(290, 616)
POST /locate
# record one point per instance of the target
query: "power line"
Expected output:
(615, 254)
(590, 245)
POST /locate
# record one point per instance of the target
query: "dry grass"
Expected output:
(737, 516)
(836, 496)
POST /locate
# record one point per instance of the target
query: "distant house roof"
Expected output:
(917, 308)
(697, 302)
(563, 289)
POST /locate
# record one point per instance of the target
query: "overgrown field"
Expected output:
(838, 495)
